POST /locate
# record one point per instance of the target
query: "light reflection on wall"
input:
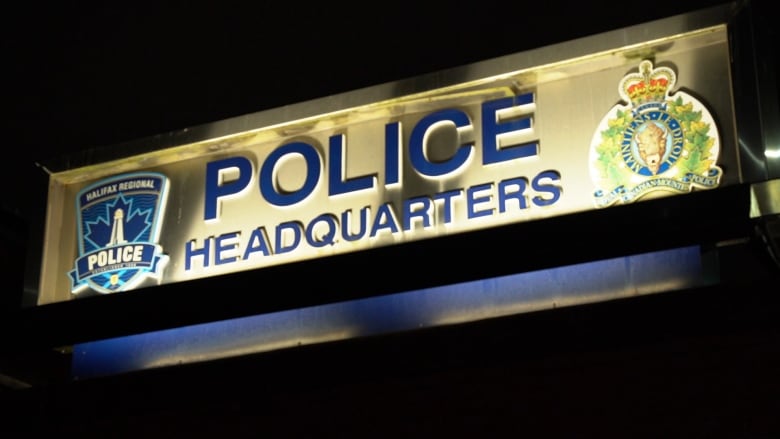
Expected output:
(590, 282)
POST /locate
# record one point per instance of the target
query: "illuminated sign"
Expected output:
(516, 140)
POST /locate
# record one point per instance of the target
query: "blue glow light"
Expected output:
(590, 282)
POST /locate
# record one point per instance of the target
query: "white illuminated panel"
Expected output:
(520, 138)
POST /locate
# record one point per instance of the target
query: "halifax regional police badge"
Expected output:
(119, 222)
(658, 142)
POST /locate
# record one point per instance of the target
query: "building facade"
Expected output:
(576, 239)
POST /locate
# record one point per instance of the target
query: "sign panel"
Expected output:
(513, 142)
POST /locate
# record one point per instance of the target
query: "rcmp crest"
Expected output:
(119, 222)
(657, 141)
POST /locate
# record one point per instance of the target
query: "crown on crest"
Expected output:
(648, 85)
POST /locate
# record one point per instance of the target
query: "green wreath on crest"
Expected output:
(695, 158)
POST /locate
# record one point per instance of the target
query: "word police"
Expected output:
(502, 119)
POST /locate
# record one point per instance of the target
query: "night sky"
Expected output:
(79, 77)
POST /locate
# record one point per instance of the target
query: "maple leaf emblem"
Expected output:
(137, 223)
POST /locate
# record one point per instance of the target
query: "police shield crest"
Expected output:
(656, 141)
(119, 221)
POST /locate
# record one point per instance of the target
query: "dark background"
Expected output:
(701, 363)
(85, 76)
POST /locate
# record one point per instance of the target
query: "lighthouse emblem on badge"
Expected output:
(656, 141)
(119, 222)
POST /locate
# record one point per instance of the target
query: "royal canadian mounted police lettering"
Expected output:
(656, 141)
(119, 222)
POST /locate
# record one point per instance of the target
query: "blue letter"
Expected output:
(385, 219)
(552, 189)
(418, 143)
(267, 187)
(328, 237)
(215, 187)
(345, 224)
(472, 200)
(447, 198)
(392, 152)
(423, 212)
(337, 168)
(190, 252)
(492, 152)
(220, 246)
(293, 226)
(258, 241)
(504, 195)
